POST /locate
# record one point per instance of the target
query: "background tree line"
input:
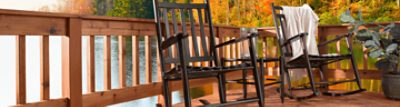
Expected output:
(247, 13)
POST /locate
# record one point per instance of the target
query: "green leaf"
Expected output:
(370, 44)
(395, 32)
(389, 27)
(391, 48)
(363, 35)
(347, 18)
(376, 53)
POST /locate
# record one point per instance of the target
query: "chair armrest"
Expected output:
(173, 40)
(297, 37)
(339, 37)
(240, 39)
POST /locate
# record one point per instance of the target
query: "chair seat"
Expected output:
(317, 60)
(204, 72)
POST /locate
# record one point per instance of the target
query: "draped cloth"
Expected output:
(299, 20)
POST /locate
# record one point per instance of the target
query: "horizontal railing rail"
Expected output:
(73, 28)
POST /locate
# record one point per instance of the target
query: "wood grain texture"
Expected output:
(91, 65)
(72, 63)
(147, 52)
(62, 102)
(44, 68)
(121, 61)
(21, 69)
(135, 61)
(107, 62)
(114, 96)
(29, 25)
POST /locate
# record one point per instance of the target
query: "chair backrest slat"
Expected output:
(203, 38)
(193, 29)
(174, 22)
(184, 30)
(181, 16)
(167, 32)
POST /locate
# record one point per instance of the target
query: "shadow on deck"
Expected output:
(365, 99)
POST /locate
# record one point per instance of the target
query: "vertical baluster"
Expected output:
(365, 59)
(121, 61)
(90, 65)
(238, 52)
(200, 51)
(135, 61)
(233, 52)
(44, 68)
(21, 69)
(228, 51)
(191, 49)
(207, 63)
(107, 62)
(147, 41)
(221, 50)
(338, 51)
(265, 53)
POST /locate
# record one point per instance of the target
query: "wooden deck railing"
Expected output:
(72, 28)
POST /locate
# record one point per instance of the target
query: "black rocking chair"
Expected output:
(311, 61)
(177, 62)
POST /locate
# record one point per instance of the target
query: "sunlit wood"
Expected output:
(107, 62)
(121, 61)
(135, 61)
(91, 65)
(148, 58)
(21, 69)
(72, 63)
(44, 68)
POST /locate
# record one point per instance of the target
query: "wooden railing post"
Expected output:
(147, 51)
(90, 65)
(45, 68)
(135, 61)
(107, 62)
(121, 61)
(72, 63)
(20, 70)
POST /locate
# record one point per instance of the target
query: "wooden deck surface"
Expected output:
(365, 99)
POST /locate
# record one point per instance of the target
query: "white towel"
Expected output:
(299, 20)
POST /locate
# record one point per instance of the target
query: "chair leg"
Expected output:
(311, 77)
(166, 93)
(222, 88)
(262, 75)
(186, 89)
(256, 74)
(244, 84)
(289, 82)
(258, 87)
(282, 83)
(356, 74)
